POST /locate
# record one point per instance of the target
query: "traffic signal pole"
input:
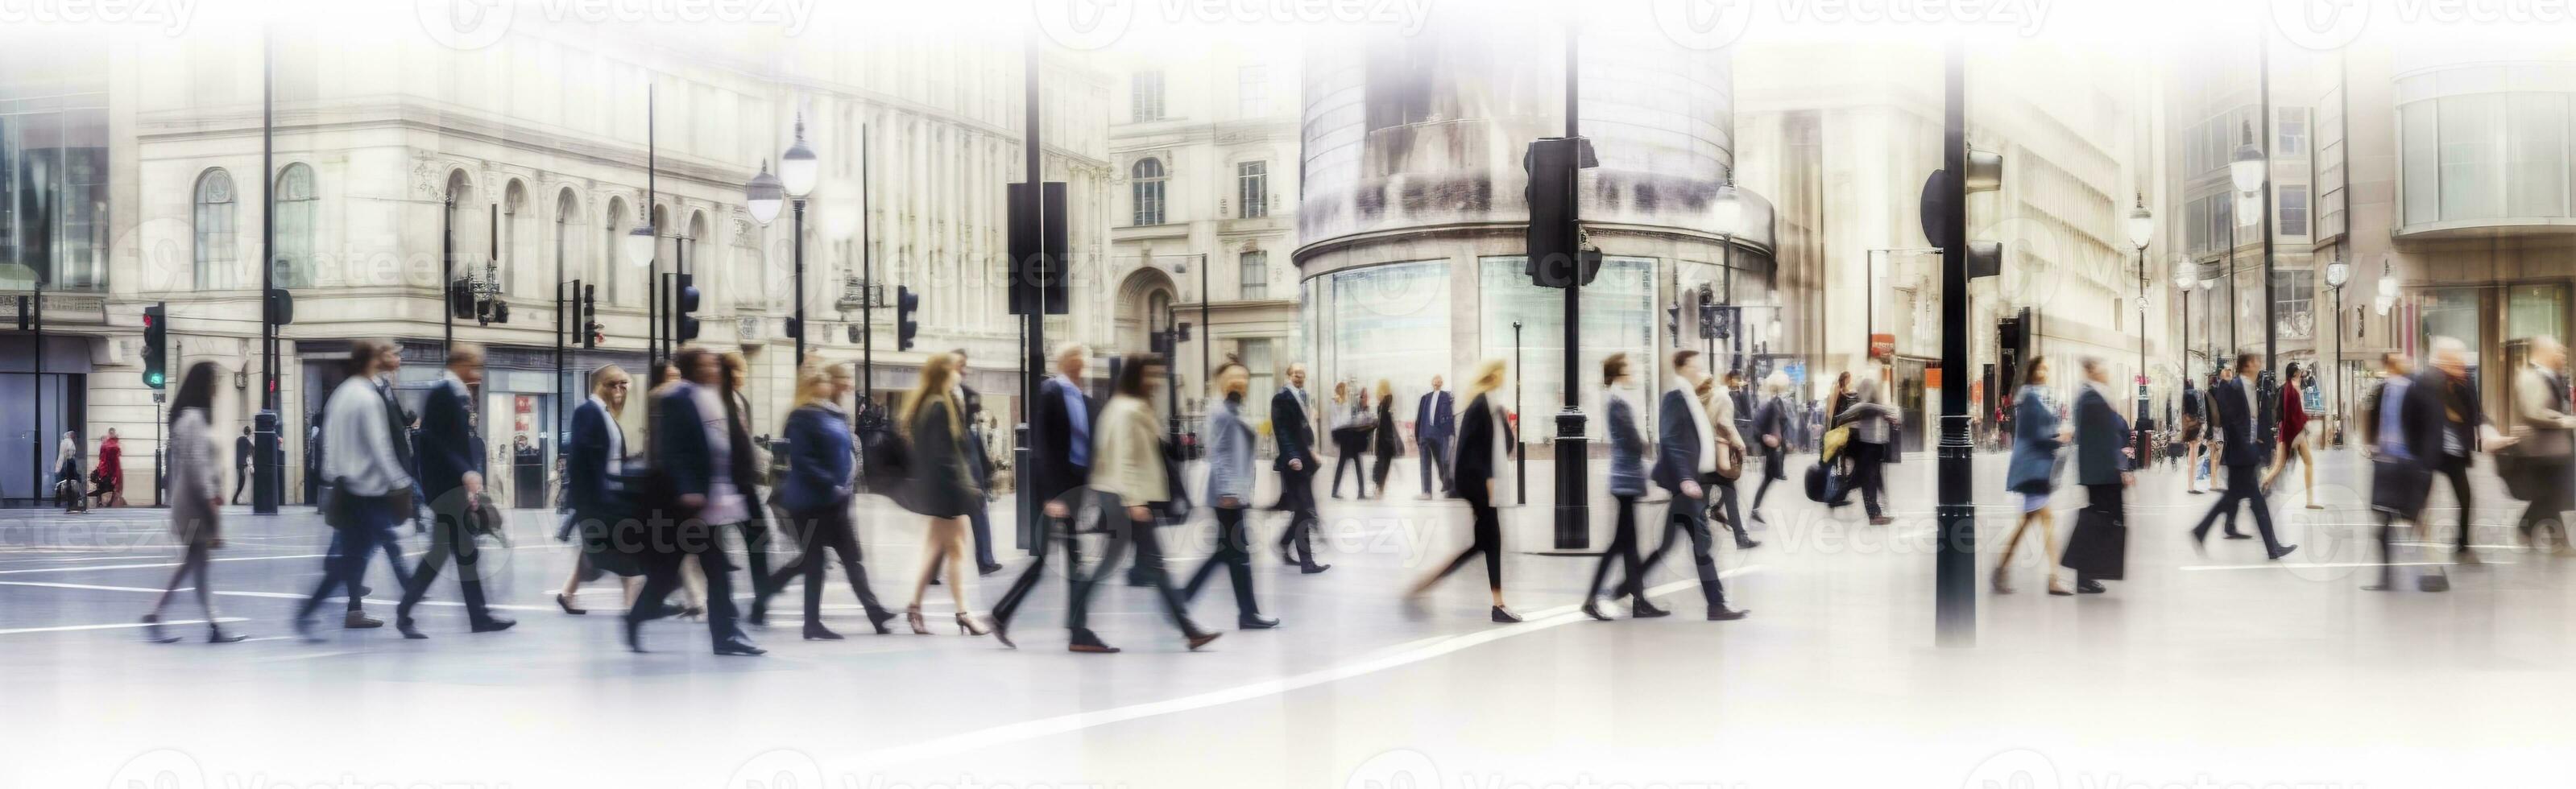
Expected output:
(1955, 552)
(267, 480)
(1033, 318)
(1573, 505)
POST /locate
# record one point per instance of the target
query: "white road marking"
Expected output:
(117, 626)
(272, 595)
(1401, 655)
(2298, 566)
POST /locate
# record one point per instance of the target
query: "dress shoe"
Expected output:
(1757, 518)
(1255, 622)
(2237, 535)
(740, 648)
(1646, 610)
(565, 601)
(2089, 587)
(1089, 642)
(815, 631)
(2277, 553)
(1723, 614)
(215, 635)
(1592, 608)
(988, 569)
(1001, 633)
(1881, 520)
(358, 620)
(1747, 545)
(1505, 616)
(494, 624)
(364, 590)
(1312, 569)
(759, 616)
(404, 626)
(1197, 640)
(878, 619)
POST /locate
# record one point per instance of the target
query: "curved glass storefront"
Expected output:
(2485, 147)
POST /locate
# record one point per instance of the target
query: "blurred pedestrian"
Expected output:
(1484, 442)
(943, 487)
(750, 472)
(1687, 439)
(981, 518)
(2037, 435)
(1060, 468)
(2097, 550)
(2232, 400)
(1873, 424)
(2293, 431)
(2194, 421)
(1434, 423)
(243, 450)
(369, 481)
(1135, 477)
(451, 461)
(1350, 421)
(1230, 479)
(699, 499)
(2400, 421)
(2546, 437)
(111, 471)
(595, 466)
(1723, 498)
(1772, 429)
(2465, 432)
(1292, 433)
(196, 496)
(1627, 485)
(69, 491)
(821, 479)
(1385, 443)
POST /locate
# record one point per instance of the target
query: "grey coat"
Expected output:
(1627, 448)
(1230, 469)
(193, 478)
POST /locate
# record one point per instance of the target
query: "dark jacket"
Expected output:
(1293, 431)
(1051, 442)
(819, 465)
(942, 484)
(1772, 419)
(587, 485)
(2462, 413)
(243, 450)
(681, 456)
(2398, 484)
(2236, 425)
(2100, 435)
(1476, 446)
(450, 446)
(1433, 419)
(2035, 444)
(1627, 448)
(1676, 442)
(1387, 443)
(983, 466)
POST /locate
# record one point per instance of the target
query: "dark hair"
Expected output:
(1228, 364)
(1683, 357)
(2031, 367)
(196, 390)
(2289, 370)
(245, 430)
(2244, 360)
(363, 353)
(1612, 367)
(685, 361)
(1131, 373)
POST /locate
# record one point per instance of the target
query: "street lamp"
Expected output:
(2338, 273)
(763, 196)
(2387, 285)
(1726, 211)
(2142, 229)
(796, 171)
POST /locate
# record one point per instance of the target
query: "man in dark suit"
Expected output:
(2103, 468)
(1059, 467)
(2243, 455)
(2401, 429)
(451, 463)
(689, 463)
(1293, 428)
(243, 450)
(594, 459)
(2464, 428)
(1685, 458)
(1435, 423)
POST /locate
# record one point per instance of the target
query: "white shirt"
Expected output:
(1707, 436)
(359, 442)
(616, 437)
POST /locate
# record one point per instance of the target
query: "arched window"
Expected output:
(217, 254)
(1145, 191)
(297, 209)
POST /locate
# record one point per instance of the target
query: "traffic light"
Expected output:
(591, 336)
(686, 315)
(854, 333)
(1557, 256)
(1039, 283)
(1985, 174)
(460, 299)
(1673, 324)
(906, 305)
(279, 307)
(156, 344)
(793, 328)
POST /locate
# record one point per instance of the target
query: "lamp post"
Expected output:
(796, 171)
(763, 195)
(1726, 211)
(2208, 296)
(2246, 171)
(2142, 229)
(2338, 273)
(638, 246)
(1207, 331)
(2183, 285)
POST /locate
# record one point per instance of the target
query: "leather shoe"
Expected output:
(1726, 614)
(817, 632)
(1646, 610)
(494, 625)
(1312, 569)
(1505, 616)
(1592, 608)
(1202, 639)
(2285, 550)
(404, 626)
(1255, 622)
(878, 619)
(740, 648)
(988, 569)
(360, 621)
(2089, 587)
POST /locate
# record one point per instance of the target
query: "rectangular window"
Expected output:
(1255, 276)
(2293, 303)
(1145, 96)
(1252, 91)
(2291, 124)
(2537, 156)
(2421, 173)
(2472, 146)
(2294, 210)
(1252, 188)
(1260, 365)
(1619, 316)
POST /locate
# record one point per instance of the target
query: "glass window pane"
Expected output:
(2535, 311)
(2472, 129)
(2423, 163)
(1373, 306)
(1618, 317)
(2535, 184)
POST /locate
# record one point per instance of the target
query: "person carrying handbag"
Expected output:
(2037, 435)
(368, 482)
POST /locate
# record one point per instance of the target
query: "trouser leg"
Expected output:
(1623, 546)
(1694, 523)
(2457, 471)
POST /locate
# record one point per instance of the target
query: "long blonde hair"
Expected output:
(1385, 390)
(813, 384)
(938, 375)
(1489, 377)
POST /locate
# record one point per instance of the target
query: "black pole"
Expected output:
(654, 337)
(446, 271)
(1955, 555)
(1573, 509)
(36, 449)
(799, 230)
(1520, 457)
(1033, 322)
(2341, 418)
(2141, 460)
(267, 490)
(1207, 330)
(867, 276)
(2267, 392)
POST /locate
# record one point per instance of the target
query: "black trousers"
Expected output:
(2244, 484)
(1052, 530)
(2387, 549)
(347, 566)
(1726, 500)
(2107, 501)
(1868, 473)
(1140, 537)
(448, 539)
(1773, 469)
(1435, 454)
(2455, 469)
(1350, 460)
(755, 542)
(1234, 553)
(662, 576)
(1686, 517)
(1488, 541)
(1623, 550)
(2555, 498)
(1385, 461)
(818, 531)
(1297, 496)
(241, 481)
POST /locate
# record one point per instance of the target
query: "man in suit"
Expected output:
(2101, 465)
(595, 457)
(1435, 424)
(2400, 419)
(1685, 458)
(2464, 429)
(1294, 431)
(451, 464)
(981, 467)
(1060, 465)
(692, 451)
(2243, 455)
(243, 449)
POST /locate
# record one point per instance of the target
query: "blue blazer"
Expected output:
(449, 445)
(1432, 420)
(2035, 444)
(2100, 435)
(1676, 443)
(680, 452)
(587, 486)
(1627, 450)
(819, 460)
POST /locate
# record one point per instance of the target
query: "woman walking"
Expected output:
(942, 487)
(1484, 442)
(111, 471)
(1627, 485)
(822, 476)
(1132, 467)
(68, 490)
(751, 470)
(595, 464)
(2038, 433)
(2294, 425)
(1771, 428)
(1873, 425)
(1350, 433)
(196, 491)
(1719, 402)
(1388, 444)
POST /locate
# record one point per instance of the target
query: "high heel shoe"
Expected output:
(152, 630)
(565, 601)
(912, 616)
(966, 624)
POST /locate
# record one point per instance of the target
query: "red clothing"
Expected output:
(111, 463)
(2294, 414)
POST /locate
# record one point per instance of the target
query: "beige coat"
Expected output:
(1127, 453)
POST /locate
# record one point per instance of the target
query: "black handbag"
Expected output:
(2099, 548)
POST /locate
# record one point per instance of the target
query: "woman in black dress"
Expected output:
(1388, 444)
(942, 486)
(1484, 449)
